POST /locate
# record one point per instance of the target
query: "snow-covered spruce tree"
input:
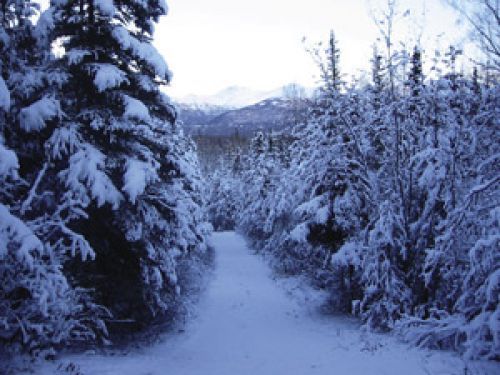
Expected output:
(337, 203)
(122, 160)
(421, 182)
(375, 132)
(256, 178)
(439, 138)
(224, 200)
(462, 313)
(386, 297)
(39, 310)
(479, 304)
(331, 70)
(264, 161)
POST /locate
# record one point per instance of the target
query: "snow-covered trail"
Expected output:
(248, 325)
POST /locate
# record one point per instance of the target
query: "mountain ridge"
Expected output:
(239, 96)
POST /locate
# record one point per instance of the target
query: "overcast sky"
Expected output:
(212, 44)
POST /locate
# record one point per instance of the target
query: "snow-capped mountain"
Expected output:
(238, 96)
(269, 114)
(240, 109)
(199, 114)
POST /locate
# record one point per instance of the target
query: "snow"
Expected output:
(493, 288)
(8, 162)
(250, 324)
(322, 215)
(146, 83)
(28, 83)
(300, 233)
(64, 141)
(348, 254)
(311, 206)
(108, 76)
(75, 56)
(86, 171)
(137, 175)
(4, 95)
(34, 117)
(135, 109)
(44, 26)
(13, 229)
(163, 6)
(106, 7)
(4, 37)
(143, 50)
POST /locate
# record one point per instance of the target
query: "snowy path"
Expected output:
(247, 325)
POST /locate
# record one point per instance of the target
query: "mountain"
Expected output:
(193, 115)
(238, 97)
(270, 114)
(242, 110)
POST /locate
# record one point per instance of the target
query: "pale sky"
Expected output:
(212, 44)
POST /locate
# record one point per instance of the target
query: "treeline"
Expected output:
(388, 197)
(215, 152)
(101, 225)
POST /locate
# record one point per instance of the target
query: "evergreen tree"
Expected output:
(120, 158)
(332, 77)
(389, 201)
(39, 309)
(377, 78)
(416, 76)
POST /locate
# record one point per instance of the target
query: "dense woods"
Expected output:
(101, 221)
(388, 197)
(384, 193)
